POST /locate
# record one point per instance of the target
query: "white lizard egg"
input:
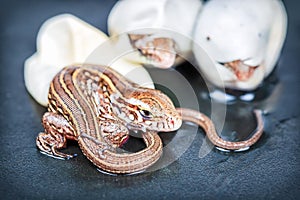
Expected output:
(64, 40)
(242, 40)
(148, 21)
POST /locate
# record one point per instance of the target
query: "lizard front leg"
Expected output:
(114, 133)
(57, 130)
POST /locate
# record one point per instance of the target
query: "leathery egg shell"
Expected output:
(242, 40)
(172, 19)
(65, 40)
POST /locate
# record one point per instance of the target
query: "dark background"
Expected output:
(270, 170)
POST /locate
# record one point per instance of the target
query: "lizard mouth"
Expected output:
(158, 51)
(124, 140)
(242, 71)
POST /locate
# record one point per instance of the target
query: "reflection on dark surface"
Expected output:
(269, 170)
(240, 121)
(123, 181)
(262, 92)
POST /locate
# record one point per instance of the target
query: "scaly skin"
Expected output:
(209, 128)
(160, 52)
(97, 107)
(242, 71)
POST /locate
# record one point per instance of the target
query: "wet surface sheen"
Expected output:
(268, 170)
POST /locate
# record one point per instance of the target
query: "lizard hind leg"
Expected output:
(57, 129)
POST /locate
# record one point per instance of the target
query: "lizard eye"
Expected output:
(145, 114)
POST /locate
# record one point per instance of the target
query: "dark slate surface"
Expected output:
(270, 170)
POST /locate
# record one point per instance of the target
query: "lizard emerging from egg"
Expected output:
(242, 41)
(159, 29)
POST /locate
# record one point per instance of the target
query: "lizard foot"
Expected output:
(49, 145)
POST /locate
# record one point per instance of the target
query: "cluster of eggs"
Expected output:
(236, 43)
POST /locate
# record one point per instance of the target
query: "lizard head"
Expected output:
(148, 109)
(159, 51)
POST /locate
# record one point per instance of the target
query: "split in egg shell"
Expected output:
(158, 29)
(242, 41)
